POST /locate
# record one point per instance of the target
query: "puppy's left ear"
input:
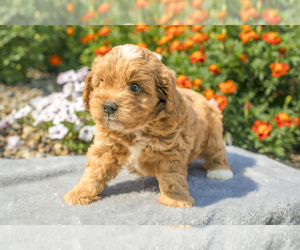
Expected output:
(88, 88)
(175, 106)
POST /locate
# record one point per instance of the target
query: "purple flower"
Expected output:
(58, 132)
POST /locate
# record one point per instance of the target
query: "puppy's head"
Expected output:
(129, 87)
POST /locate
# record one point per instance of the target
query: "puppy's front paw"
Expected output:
(186, 203)
(76, 196)
(220, 174)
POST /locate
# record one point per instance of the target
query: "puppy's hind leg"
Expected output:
(103, 165)
(215, 158)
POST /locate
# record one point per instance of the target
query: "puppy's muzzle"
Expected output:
(110, 107)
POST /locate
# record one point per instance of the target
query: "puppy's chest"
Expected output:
(135, 153)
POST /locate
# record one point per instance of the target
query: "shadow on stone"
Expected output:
(205, 191)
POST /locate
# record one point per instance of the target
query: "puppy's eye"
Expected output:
(135, 87)
(102, 81)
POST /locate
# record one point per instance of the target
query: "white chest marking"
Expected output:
(133, 159)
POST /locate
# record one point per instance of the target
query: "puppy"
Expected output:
(147, 125)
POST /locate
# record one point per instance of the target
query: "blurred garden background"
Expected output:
(251, 72)
(53, 12)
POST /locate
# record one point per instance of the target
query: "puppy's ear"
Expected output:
(174, 105)
(88, 88)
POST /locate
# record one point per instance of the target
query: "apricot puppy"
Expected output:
(147, 125)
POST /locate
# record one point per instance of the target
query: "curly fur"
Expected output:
(155, 132)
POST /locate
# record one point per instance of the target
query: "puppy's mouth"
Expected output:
(111, 122)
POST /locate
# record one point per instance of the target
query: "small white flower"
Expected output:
(159, 56)
(214, 102)
(78, 124)
(39, 102)
(8, 120)
(14, 142)
(82, 73)
(58, 132)
(68, 76)
(71, 117)
(67, 89)
(23, 112)
(78, 104)
(78, 86)
(86, 133)
(60, 117)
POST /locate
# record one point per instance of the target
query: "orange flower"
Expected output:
(279, 69)
(104, 8)
(70, 31)
(165, 39)
(246, 14)
(245, 37)
(200, 37)
(208, 93)
(262, 129)
(183, 82)
(246, 28)
(197, 28)
(200, 16)
(175, 7)
(158, 50)
(141, 27)
(102, 50)
(227, 87)
(197, 83)
(271, 38)
(282, 119)
(176, 45)
(221, 37)
(141, 4)
(144, 45)
(221, 100)
(87, 16)
(214, 69)
(296, 121)
(197, 56)
(271, 16)
(70, 7)
(104, 31)
(221, 14)
(188, 44)
(55, 60)
(197, 4)
(175, 30)
(244, 58)
(165, 18)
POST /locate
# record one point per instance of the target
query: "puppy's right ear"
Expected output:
(88, 88)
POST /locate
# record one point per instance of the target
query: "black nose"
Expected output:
(110, 107)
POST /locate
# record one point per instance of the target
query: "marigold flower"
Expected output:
(55, 60)
(70, 31)
(183, 82)
(143, 45)
(214, 69)
(104, 31)
(221, 14)
(200, 16)
(282, 119)
(262, 129)
(197, 56)
(197, 83)
(296, 121)
(104, 8)
(102, 50)
(271, 38)
(244, 58)
(176, 45)
(166, 17)
(221, 37)
(245, 37)
(175, 30)
(279, 69)
(70, 7)
(165, 39)
(221, 100)
(175, 7)
(188, 44)
(271, 16)
(208, 93)
(227, 87)
(142, 27)
(246, 28)
(87, 16)
(246, 14)
(246, 4)
(200, 37)
(158, 50)
(197, 28)
(197, 4)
